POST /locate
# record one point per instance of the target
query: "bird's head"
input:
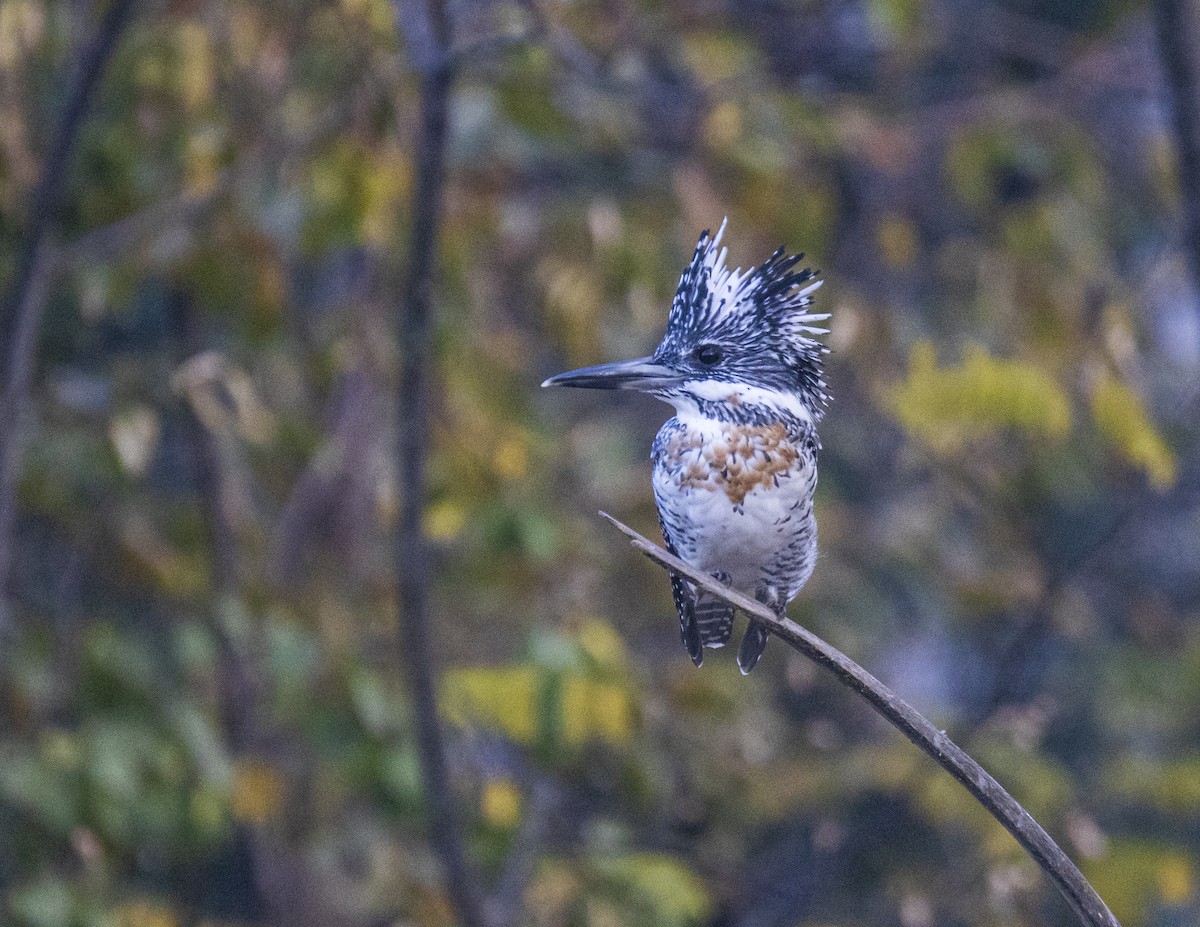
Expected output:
(738, 346)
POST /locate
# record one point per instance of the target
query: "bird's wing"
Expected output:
(685, 603)
(704, 621)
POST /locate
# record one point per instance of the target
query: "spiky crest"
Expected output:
(757, 316)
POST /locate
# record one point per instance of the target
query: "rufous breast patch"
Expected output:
(737, 460)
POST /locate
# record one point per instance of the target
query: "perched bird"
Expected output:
(736, 468)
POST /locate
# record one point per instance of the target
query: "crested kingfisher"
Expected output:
(735, 469)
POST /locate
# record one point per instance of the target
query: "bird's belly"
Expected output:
(768, 537)
(747, 543)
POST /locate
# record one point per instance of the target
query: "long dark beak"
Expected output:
(643, 374)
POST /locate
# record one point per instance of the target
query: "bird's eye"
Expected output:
(708, 354)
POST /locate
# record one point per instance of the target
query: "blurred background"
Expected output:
(203, 711)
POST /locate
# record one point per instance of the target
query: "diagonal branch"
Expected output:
(1087, 905)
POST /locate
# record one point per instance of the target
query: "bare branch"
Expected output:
(424, 38)
(240, 690)
(1087, 905)
(333, 483)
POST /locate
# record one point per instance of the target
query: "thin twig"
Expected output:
(25, 295)
(239, 693)
(1082, 898)
(427, 32)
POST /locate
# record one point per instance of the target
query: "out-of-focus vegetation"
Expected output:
(1009, 499)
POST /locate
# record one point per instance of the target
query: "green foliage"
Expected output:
(654, 889)
(574, 690)
(900, 18)
(1136, 877)
(640, 889)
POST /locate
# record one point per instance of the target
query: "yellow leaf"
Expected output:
(444, 521)
(499, 698)
(386, 180)
(201, 162)
(195, 68)
(602, 643)
(901, 18)
(257, 792)
(717, 55)
(674, 893)
(509, 700)
(500, 803)
(595, 710)
(1121, 418)
(1175, 879)
(511, 457)
(897, 237)
(1173, 786)
(1133, 874)
(378, 14)
(946, 407)
(144, 914)
(723, 127)
(574, 299)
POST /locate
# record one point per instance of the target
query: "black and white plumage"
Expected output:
(736, 468)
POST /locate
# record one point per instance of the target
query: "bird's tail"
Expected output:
(714, 621)
(755, 640)
(752, 647)
(703, 620)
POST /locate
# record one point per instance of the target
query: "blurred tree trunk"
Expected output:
(1178, 26)
(427, 34)
(14, 402)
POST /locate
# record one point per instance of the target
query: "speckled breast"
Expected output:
(738, 498)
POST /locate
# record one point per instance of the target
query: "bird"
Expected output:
(735, 469)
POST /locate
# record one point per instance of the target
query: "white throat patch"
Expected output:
(737, 394)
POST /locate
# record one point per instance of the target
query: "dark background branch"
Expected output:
(1083, 899)
(1177, 24)
(413, 430)
(25, 296)
(506, 907)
